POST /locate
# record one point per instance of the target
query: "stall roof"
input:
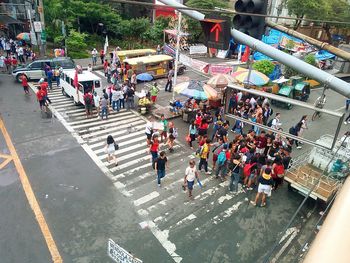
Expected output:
(6, 20)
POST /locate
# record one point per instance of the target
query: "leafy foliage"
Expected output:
(310, 59)
(264, 66)
(76, 44)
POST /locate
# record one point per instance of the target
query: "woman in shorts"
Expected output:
(265, 186)
(110, 149)
(190, 175)
(172, 136)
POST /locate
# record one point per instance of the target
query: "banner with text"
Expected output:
(220, 69)
(119, 254)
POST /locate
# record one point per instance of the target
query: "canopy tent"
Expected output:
(324, 55)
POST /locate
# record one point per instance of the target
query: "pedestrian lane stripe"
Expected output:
(96, 131)
(96, 142)
(73, 111)
(98, 72)
(123, 150)
(83, 120)
(120, 138)
(146, 198)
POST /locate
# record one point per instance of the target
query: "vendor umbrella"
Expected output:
(220, 81)
(256, 78)
(144, 77)
(23, 36)
(196, 89)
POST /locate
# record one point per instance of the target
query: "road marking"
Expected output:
(50, 242)
(293, 232)
(8, 159)
(339, 109)
(146, 198)
(100, 73)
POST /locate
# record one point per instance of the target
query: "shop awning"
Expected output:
(7, 20)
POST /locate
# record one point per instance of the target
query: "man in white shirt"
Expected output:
(190, 175)
(276, 124)
(94, 56)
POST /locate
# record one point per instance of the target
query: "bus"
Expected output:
(158, 65)
(134, 53)
(87, 81)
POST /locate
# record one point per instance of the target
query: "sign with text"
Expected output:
(37, 26)
(200, 49)
(119, 254)
(220, 69)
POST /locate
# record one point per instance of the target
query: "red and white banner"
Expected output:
(200, 65)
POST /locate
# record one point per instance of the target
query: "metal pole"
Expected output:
(178, 35)
(333, 82)
(320, 44)
(42, 20)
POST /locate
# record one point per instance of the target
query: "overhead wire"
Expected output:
(226, 11)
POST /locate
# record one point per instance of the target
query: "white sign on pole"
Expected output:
(119, 254)
(200, 49)
(37, 26)
(221, 53)
(33, 38)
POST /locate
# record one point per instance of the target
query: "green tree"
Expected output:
(76, 44)
(264, 66)
(155, 33)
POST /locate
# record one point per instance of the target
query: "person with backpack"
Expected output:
(88, 100)
(111, 147)
(217, 147)
(234, 166)
(264, 188)
(275, 122)
(221, 163)
(161, 163)
(129, 98)
(203, 155)
(190, 175)
(172, 136)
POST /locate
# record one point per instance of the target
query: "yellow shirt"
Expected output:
(205, 151)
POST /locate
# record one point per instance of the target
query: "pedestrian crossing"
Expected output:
(166, 211)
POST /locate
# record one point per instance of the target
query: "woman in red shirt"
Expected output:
(153, 149)
(202, 129)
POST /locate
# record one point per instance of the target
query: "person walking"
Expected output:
(301, 127)
(154, 92)
(57, 75)
(204, 154)
(111, 147)
(130, 98)
(49, 75)
(169, 83)
(88, 100)
(221, 163)
(25, 84)
(192, 131)
(44, 86)
(40, 95)
(161, 164)
(164, 132)
(264, 188)
(115, 99)
(275, 122)
(97, 100)
(104, 107)
(133, 80)
(102, 55)
(2, 63)
(153, 149)
(235, 166)
(94, 56)
(190, 175)
(172, 136)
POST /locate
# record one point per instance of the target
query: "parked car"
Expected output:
(35, 70)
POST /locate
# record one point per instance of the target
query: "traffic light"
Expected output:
(250, 25)
(216, 31)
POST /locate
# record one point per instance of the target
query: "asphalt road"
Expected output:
(84, 207)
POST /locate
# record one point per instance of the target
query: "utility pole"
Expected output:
(43, 32)
(178, 36)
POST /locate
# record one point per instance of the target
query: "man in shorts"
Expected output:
(88, 99)
(25, 84)
(264, 188)
(190, 175)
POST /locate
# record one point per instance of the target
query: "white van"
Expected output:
(87, 81)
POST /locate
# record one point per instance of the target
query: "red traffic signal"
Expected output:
(217, 32)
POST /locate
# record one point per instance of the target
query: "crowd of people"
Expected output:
(13, 53)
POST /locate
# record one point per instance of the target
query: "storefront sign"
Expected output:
(200, 49)
(220, 69)
(37, 26)
(119, 254)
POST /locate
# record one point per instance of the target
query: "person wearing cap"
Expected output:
(190, 175)
(264, 188)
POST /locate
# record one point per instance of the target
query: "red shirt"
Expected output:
(7, 61)
(44, 87)
(24, 82)
(198, 120)
(154, 146)
(261, 142)
(204, 126)
(40, 95)
(14, 62)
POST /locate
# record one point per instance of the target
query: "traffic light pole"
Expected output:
(331, 81)
(178, 36)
